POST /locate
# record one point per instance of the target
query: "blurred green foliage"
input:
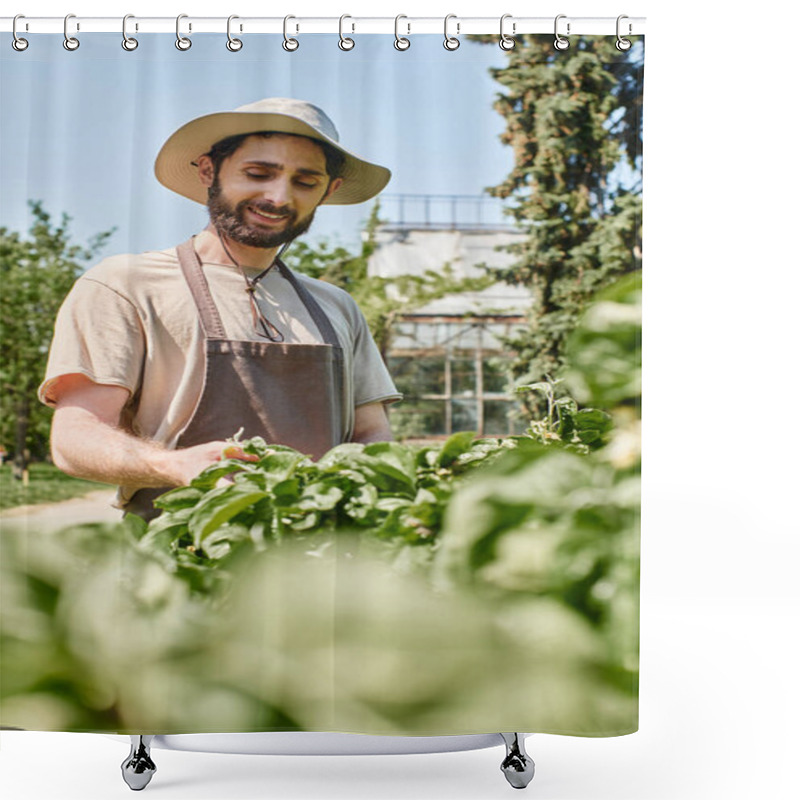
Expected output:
(458, 588)
(36, 274)
(46, 485)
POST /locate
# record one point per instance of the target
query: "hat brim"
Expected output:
(175, 170)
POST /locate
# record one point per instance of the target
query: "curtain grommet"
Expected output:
(345, 42)
(18, 43)
(451, 42)
(507, 42)
(70, 43)
(560, 43)
(289, 44)
(233, 44)
(401, 42)
(183, 43)
(128, 42)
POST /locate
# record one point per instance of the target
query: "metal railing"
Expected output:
(443, 212)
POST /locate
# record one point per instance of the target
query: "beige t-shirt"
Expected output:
(130, 321)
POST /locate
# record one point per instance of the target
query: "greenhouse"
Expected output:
(448, 357)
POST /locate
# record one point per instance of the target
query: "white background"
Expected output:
(719, 696)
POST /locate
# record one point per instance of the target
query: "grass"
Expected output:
(46, 485)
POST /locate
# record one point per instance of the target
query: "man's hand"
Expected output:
(188, 462)
(180, 466)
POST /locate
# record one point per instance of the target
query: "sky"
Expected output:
(87, 125)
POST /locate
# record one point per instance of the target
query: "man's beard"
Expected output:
(231, 222)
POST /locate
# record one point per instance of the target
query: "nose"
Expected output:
(278, 191)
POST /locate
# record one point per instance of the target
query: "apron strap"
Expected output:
(207, 309)
(321, 319)
(198, 286)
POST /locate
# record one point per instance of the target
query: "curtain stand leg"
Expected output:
(138, 768)
(517, 766)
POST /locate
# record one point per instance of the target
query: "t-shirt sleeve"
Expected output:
(98, 334)
(372, 382)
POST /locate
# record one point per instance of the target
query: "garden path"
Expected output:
(93, 507)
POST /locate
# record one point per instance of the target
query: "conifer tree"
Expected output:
(573, 119)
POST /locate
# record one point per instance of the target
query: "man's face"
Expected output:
(266, 192)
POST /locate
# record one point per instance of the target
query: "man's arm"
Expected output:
(372, 424)
(87, 442)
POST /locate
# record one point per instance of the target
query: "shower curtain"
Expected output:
(479, 572)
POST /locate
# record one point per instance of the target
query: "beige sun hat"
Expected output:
(175, 170)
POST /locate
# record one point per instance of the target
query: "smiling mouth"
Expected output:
(265, 215)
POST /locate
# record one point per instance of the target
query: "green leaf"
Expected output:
(218, 544)
(287, 492)
(281, 465)
(341, 454)
(306, 522)
(385, 476)
(425, 496)
(220, 505)
(209, 477)
(592, 419)
(355, 477)
(428, 457)
(391, 504)
(183, 497)
(455, 446)
(322, 496)
(135, 525)
(166, 528)
(361, 505)
(540, 386)
(592, 426)
(402, 457)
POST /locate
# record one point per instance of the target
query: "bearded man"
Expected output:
(158, 358)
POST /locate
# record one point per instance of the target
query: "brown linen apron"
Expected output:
(290, 394)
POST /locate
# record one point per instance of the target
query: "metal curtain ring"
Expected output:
(233, 44)
(451, 42)
(560, 42)
(507, 42)
(18, 43)
(400, 42)
(345, 42)
(623, 44)
(128, 42)
(70, 42)
(289, 44)
(181, 42)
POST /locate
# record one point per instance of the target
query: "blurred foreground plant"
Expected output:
(470, 586)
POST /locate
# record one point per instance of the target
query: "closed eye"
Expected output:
(303, 182)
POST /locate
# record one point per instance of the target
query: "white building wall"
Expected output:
(415, 252)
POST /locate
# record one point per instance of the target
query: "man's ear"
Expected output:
(205, 170)
(332, 187)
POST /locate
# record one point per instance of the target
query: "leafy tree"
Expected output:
(36, 273)
(381, 299)
(573, 119)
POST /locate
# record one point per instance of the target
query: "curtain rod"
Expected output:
(406, 25)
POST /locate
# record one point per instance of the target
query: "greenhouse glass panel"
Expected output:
(465, 415)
